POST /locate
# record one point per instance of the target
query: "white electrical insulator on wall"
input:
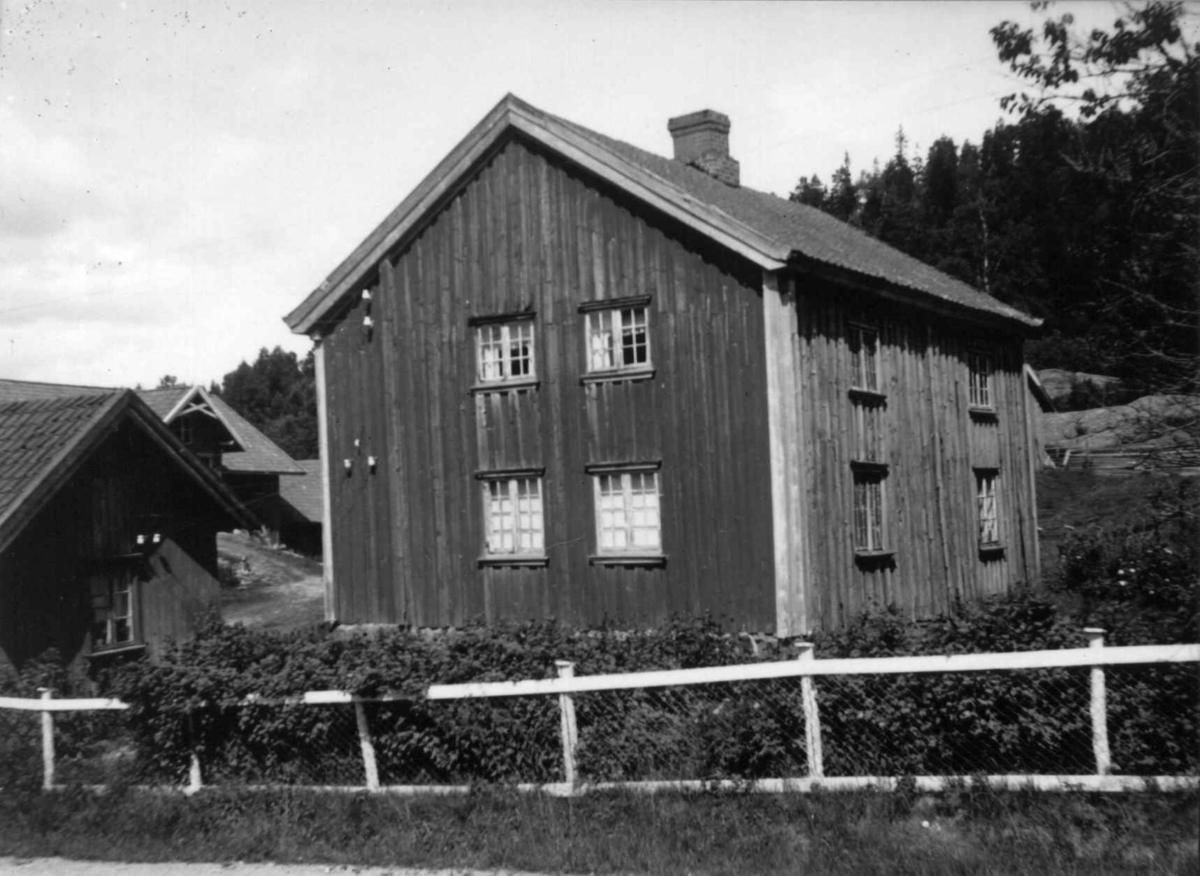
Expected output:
(348, 464)
(367, 322)
(366, 295)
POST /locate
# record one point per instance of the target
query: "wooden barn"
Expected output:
(252, 465)
(569, 378)
(107, 527)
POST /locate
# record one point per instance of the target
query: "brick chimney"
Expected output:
(702, 140)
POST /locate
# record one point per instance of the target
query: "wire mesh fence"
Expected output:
(797, 720)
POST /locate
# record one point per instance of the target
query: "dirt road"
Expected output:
(63, 867)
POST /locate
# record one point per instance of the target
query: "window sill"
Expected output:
(113, 650)
(875, 559)
(987, 415)
(506, 386)
(991, 551)
(868, 396)
(860, 466)
(630, 559)
(631, 375)
(528, 560)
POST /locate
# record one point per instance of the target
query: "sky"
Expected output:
(177, 176)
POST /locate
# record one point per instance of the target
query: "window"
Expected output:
(985, 502)
(864, 357)
(868, 511)
(505, 352)
(628, 512)
(113, 608)
(512, 513)
(617, 336)
(186, 431)
(980, 366)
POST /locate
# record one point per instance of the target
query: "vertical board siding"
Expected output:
(128, 486)
(932, 446)
(527, 232)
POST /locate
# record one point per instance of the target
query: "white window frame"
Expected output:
(627, 502)
(615, 334)
(865, 358)
(514, 520)
(979, 379)
(505, 352)
(987, 507)
(108, 588)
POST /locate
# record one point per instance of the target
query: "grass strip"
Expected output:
(970, 831)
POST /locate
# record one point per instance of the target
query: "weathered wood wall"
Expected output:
(529, 234)
(931, 443)
(128, 486)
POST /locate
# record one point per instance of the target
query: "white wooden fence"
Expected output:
(807, 669)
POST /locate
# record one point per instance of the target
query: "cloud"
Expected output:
(46, 180)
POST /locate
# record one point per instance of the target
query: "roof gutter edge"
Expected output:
(919, 297)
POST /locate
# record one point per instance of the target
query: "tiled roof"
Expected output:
(163, 401)
(44, 438)
(258, 453)
(771, 231)
(805, 230)
(35, 434)
(304, 493)
(30, 390)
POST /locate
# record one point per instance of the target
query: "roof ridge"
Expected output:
(766, 228)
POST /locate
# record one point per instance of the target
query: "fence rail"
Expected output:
(783, 726)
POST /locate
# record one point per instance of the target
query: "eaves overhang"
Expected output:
(1002, 316)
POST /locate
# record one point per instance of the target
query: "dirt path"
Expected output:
(64, 867)
(282, 591)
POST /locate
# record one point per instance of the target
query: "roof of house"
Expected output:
(256, 452)
(770, 231)
(44, 441)
(304, 493)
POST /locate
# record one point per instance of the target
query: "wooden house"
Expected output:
(107, 526)
(248, 461)
(570, 378)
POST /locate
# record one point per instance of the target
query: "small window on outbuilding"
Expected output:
(114, 615)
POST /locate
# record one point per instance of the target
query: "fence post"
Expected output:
(47, 741)
(194, 780)
(812, 717)
(368, 746)
(1095, 637)
(570, 731)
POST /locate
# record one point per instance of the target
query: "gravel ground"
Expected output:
(63, 867)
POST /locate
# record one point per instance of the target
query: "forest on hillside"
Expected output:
(1082, 208)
